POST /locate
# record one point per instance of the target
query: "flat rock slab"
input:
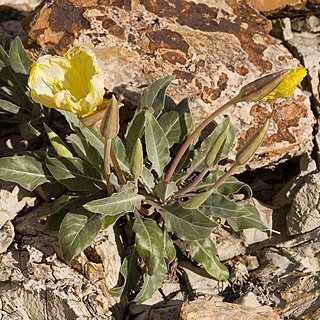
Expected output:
(212, 47)
(206, 310)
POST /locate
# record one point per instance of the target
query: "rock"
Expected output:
(212, 57)
(36, 285)
(6, 236)
(228, 245)
(201, 285)
(249, 300)
(206, 310)
(304, 214)
(22, 5)
(267, 5)
(287, 192)
(253, 235)
(288, 278)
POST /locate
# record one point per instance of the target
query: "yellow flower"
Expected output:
(73, 82)
(287, 86)
(272, 86)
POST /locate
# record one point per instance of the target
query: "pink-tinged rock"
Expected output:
(207, 310)
(212, 47)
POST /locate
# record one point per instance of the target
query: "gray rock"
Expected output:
(304, 214)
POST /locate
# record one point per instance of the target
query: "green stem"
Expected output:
(223, 178)
(117, 168)
(106, 161)
(194, 135)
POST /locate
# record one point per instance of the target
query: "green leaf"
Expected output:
(147, 179)
(4, 57)
(128, 274)
(170, 250)
(177, 124)
(24, 170)
(239, 214)
(28, 129)
(19, 60)
(151, 283)
(120, 152)
(77, 232)
(75, 174)
(8, 106)
(154, 95)
(164, 190)
(196, 200)
(61, 206)
(149, 242)
(230, 186)
(124, 201)
(204, 252)
(135, 130)
(92, 134)
(187, 224)
(198, 162)
(86, 151)
(156, 144)
(57, 143)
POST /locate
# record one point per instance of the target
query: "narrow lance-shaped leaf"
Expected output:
(156, 144)
(204, 252)
(154, 95)
(128, 274)
(57, 143)
(151, 283)
(164, 190)
(147, 179)
(24, 170)
(149, 242)
(177, 124)
(239, 214)
(86, 151)
(135, 130)
(186, 224)
(9, 107)
(92, 134)
(124, 201)
(19, 60)
(75, 174)
(230, 186)
(77, 231)
(170, 250)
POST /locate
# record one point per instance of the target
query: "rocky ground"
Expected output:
(272, 276)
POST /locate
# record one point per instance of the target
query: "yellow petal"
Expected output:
(73, 82)
(287, 86)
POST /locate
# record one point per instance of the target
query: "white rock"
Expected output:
(249, 299)
(253, 235)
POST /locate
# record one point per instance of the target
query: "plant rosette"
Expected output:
(132, 179)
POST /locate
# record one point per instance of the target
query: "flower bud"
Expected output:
(109, 126)
(137, 159)
(250, 147)
(216, 148)
(272, 86)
